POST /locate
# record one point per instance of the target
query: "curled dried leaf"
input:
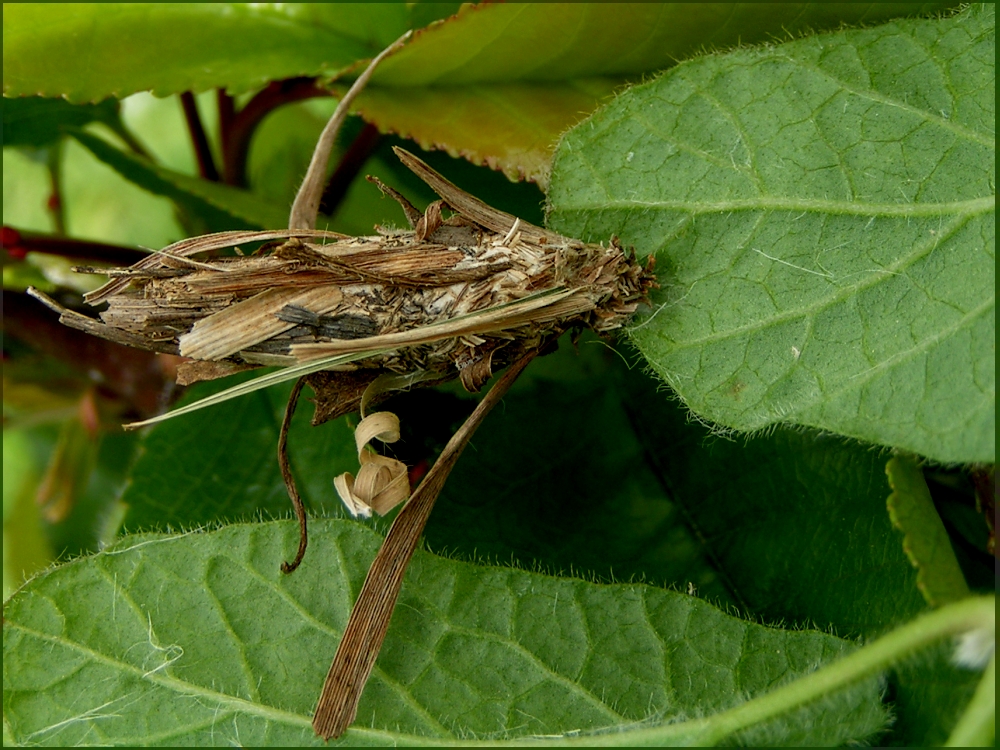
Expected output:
(382, 482)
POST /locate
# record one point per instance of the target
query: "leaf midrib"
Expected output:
(314, 622)
(969, 207)
(165, 681)
(808, 311)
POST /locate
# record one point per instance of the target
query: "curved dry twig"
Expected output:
(307, 200)
(286, 473)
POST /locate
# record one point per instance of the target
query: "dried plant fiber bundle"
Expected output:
(448, 297)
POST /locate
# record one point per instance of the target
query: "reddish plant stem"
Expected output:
(17, 244)
(227, 115)
(55, 201)
(353, 160)
(206, 165)
(236, 141)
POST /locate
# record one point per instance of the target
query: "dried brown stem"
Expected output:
(306, 205)
(412, 214)
(80, 322)
(203, 152)
(136, 379)
(369, 620)
(286, 474)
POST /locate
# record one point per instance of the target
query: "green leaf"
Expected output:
(558, 42)
(794, 521)
(25, 548)
(977, 727)
(498, 84)
(243, 46)
(925, 540)
(221, 206)
(199, 639)
(221, 463)
(99, 204)
(574, 493)
(929, 694)
(37, 122)
(795, 524)
(88, 51)
(823, 218)
(511, 127)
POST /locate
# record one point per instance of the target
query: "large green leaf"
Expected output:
(490, 43)
(88, 51)
(200, 639)
(484, 57)
(823, 218)
(499, 83)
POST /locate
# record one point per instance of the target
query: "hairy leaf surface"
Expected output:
(795, 523)
(823, 217)
(200, 639)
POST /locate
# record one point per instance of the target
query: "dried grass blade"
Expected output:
(265, 381)
(369, 620)
(202, 244)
